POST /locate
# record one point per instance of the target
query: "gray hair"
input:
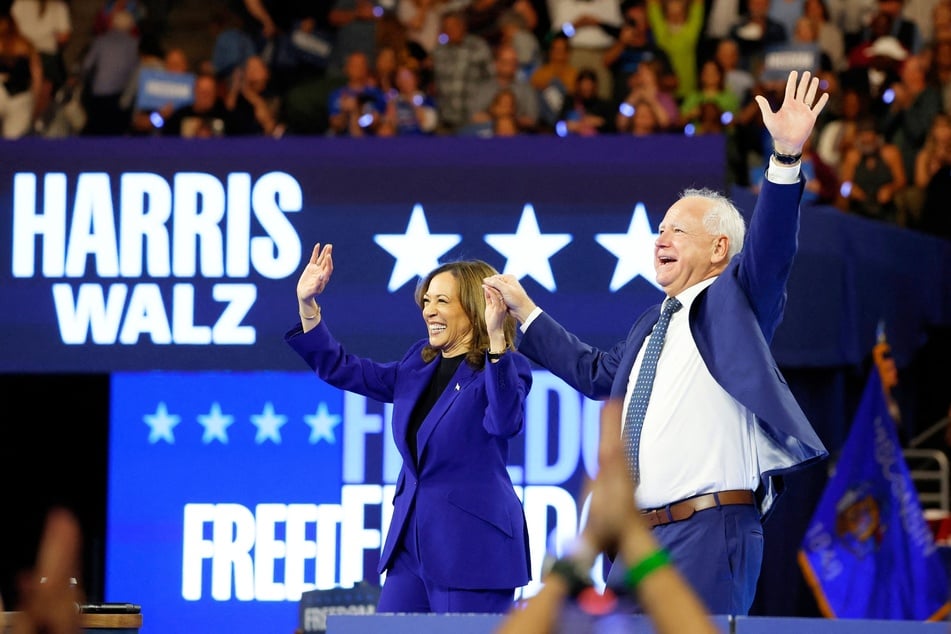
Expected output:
(722, 218)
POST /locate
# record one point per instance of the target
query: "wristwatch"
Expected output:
(787, 159)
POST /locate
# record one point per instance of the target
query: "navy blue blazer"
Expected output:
(732, 321)
(471, 523)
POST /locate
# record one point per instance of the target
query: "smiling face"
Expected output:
(685, 252)
(450, 329)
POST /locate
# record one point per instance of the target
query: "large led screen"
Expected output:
(171, 254)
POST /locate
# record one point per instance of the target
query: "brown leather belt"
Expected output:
(679, 511)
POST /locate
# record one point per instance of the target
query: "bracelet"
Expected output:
(643, 569)
(573, 575)
(309, 317)
(494, 356)
(787, 159)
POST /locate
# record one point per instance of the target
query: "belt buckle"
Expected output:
(657, 517)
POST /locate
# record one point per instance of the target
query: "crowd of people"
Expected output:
(359, 68)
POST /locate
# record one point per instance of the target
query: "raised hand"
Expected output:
(316, 274)
(495, 311)
(516, 299)
(791, 125)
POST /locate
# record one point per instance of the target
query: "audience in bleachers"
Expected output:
(501, 67)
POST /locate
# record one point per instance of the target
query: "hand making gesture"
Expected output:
(791, 125)
(312, 282)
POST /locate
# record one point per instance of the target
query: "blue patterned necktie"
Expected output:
(637, 407)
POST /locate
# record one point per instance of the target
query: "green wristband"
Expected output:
(642, 569)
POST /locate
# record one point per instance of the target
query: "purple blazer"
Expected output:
(732, 321)
(471, 524)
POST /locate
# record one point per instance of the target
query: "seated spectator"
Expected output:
(641, 117)
(383, 74)
(504, 114)
(555, 79)
(409, 111)
(584, 112)
(711, 90)
(645, 87)
(207, 116)
(148, 120)
(254, 107)
(737, 79)
(872, 174)
(934, 156)
(461, 64)
(838, 134)
(514, 32)
(507, 78)
(355, 109)
(916, 101)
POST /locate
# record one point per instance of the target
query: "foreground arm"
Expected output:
(50, 601)
(615, 523)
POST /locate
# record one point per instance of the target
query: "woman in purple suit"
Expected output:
(457, 540)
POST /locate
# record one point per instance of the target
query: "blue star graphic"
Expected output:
(417, 251)
(216, 425)
(269, 425)
(322, 425)
(161, 424)
(527, 251)
(634, 250)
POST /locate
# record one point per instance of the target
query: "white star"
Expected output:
(417, 251)
(216, 425)
(527, 251)
(161, 424)
(269, 425)
(322, 425)
(634, 250)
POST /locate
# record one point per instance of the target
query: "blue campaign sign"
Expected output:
(780, 59)
(158, 88)
(186, 256)
(224, 498)
(232, 494)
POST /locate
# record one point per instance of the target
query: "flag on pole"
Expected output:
(868, 552)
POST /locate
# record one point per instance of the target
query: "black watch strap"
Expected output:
(787, 159)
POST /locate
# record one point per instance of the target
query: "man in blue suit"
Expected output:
(721, 426)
